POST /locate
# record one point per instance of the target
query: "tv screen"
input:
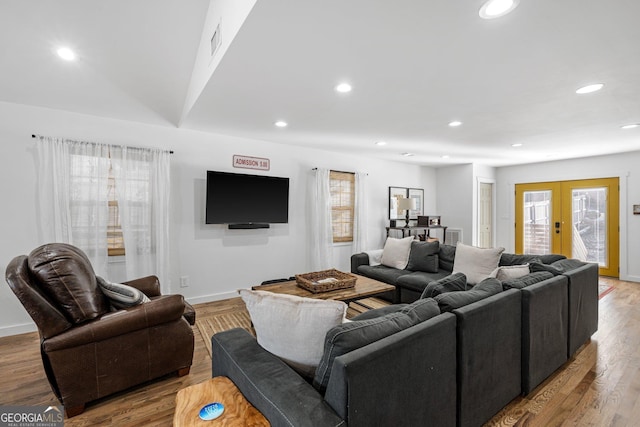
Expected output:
(234, 198)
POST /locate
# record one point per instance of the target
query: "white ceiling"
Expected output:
(414, 65)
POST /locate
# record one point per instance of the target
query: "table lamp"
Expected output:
(406, 204)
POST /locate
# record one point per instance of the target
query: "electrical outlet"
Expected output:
(184, 281)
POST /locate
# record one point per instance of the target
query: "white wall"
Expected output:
(624, 166)
(217, 261)
(454, 198)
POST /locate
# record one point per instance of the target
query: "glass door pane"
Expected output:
(589, 218)
(537, 220)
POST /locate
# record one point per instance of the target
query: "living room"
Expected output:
(217, 261)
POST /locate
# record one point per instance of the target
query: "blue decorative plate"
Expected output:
(211, 411)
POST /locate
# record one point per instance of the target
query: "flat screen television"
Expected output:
(246, 201)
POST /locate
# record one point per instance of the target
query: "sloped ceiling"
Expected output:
(414, 66)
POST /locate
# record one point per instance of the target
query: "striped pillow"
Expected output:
(121, 296)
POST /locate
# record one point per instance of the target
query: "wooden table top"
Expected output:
(364, 287)
(237, 410)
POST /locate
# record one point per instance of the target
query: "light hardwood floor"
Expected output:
(600, 386)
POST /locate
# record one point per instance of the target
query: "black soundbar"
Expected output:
(248, 226)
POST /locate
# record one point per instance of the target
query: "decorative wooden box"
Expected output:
(325, 281)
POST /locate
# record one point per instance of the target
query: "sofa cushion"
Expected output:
(66, 276)
(451, 300)
(382, 273)
(446, 256)
(121, 296)
(558, 267)
(452, 283)
(418, 280)
(528, 280)
(291, 327)
(476, 263)
(514, 259)
(352, 335)
(396, 252)
(510, 272)
(378, 312)
(424, 256)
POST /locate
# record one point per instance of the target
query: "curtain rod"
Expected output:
(34, 136)
(315, 169)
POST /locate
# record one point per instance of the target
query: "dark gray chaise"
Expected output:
(401, 380)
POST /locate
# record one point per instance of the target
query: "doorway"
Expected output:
(578, 219)
(485, 214)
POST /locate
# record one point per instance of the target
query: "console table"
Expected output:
(415, 230)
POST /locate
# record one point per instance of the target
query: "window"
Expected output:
(342, 186)
(115, 238)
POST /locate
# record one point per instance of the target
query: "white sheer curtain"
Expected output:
(142, 183)
(73, 183)
(73, 207)
(321, 232)
(360, 237)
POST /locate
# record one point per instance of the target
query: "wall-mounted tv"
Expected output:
(246, 201)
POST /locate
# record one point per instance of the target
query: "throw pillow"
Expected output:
(452, 283)
(375, 256)
(452, 300)
(293, 328)
(350, 336)
(510, 272)
(446, 256)
(528, 280)
(423, 256)
(476, 263)
(396, 252)
(121, 296)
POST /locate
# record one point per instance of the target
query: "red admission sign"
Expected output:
(247, 162)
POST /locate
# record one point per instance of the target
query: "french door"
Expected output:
(578, 219)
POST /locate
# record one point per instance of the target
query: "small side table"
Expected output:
(237, 410)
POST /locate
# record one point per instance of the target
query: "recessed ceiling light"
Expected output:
(343, 88)
(455, 123)
(590, 88)
(497, 8)
(446, 156)
(281, 124)
(381, 143)
(516, 145)
(630, 126)
(66, 54)
(407, 154)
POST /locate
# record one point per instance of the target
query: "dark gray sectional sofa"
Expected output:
(479, 349)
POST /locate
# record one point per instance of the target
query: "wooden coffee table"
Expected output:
(365, 287)
(237, 410)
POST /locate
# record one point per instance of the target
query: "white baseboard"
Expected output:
(212, 297)
(6, 331)
(630, 278)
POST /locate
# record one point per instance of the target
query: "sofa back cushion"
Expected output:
(352, 335)
(476, 263)
(446, 256)
(557, 267)
(395, 253)
(528, 280)
(65, 275)
(452, 283)
(451, 300)
(424, 256)
(519, 259)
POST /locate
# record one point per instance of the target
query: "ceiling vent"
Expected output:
(215, 40)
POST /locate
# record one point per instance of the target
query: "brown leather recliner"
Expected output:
(89, 351)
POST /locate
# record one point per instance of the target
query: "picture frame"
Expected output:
(418, 194)
(394, 194)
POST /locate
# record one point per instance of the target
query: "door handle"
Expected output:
(557, 228)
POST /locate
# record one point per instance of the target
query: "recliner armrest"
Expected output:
(150, 285)
(163, 309)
